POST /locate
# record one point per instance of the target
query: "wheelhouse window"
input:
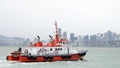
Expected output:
(60, 49)
(40, 50)
(50, 49)
(56, 49)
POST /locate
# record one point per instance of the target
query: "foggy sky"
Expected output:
(28, 18)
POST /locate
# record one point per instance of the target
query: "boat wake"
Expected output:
(85, 60)
(5, 63)
(14, 64)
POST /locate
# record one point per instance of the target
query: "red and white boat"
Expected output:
(56, 50)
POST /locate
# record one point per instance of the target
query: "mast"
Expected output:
(56, 30)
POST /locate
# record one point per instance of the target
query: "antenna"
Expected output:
(56, 28)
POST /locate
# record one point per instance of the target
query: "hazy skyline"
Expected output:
(28, 18)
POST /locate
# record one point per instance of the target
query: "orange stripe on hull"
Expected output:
(40, 59)
(75, 57)
(12, 58)
(23, 59)
(32, 59)
(57, 58)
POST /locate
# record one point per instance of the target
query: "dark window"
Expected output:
(40, 50)
(60, 42)
(56, 49)
(61, 49)
(50, 49)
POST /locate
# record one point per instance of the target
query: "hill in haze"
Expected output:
(13, 41)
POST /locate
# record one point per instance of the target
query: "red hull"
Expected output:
(73, 57)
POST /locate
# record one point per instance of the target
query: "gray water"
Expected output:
(95, 58)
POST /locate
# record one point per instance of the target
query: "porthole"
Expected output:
(50, 49)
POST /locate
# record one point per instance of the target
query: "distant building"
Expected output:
(75, 39)
(93, 39)
(59, 31)
(65, 35)
(80, 38)
(86, 39)
(109, 35)
(72, 37)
